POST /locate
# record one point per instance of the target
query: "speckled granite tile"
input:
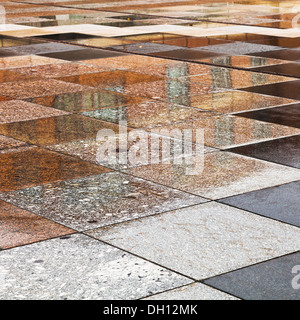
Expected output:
(55, 130)
(33, 272)
(87, 100)
(9, 143)
(270, 280)
(13, 76)
(116, 78)
(194, 291)
(225, 131)
(26, 61)
(223, 175)
(96, 201)
(30, 166)
(18, 110)
(149, 114)
(204, 240)
(20, 227)
(37, 88)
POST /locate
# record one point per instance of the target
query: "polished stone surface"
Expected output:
(197, 241)
(271, 280)
(279, 203)
(102, 272)
(286, 69)
(99, 200)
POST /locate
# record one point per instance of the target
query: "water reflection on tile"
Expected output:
(99, 200)
(227, 131)
(287, 69)
(148, 114)
(224, 174)
(93, 99)
(31, 166)
(20, 227)
(190, 55)
(117, 78)
(48, 131)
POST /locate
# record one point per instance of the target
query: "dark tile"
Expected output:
(283, 151)
(288, 89)
(286, 69)
(65, 36)
(30, 166)
(271, 280)
(20, 227)
(288, 115)
(185, 54)
(7, 53)
(55, 130)
(79, 55)
(285, 54)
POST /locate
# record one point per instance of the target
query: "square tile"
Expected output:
(30, 166)
(220, 175)
(37, 88)
(55, 130)
(20, 227)
(270, 280)
(284, 151)
(18, 110)
(101, 200)
(245, 238)
(33, 272)
(279, 203)
(287, 115)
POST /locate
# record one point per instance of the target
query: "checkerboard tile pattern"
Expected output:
(71, 69)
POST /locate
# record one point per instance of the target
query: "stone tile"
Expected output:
(33, 272)
(30, 166)
(287, 69)
(194, 291)
(284, 151)
(100, 200)
(87, 100)
(18, 110)
(20, 227)
(13, 76)
(279, 203)
(284, 54)
(37, 88)
(218, 175)
(55, 130)
(26, 61)
(9, 143)
(199, 240)
(270, 280)
(227, 131)
(287, 115)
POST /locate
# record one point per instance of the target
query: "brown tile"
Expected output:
(20, 227)
(11, 76)
(55, 130)
(37, 88)
(9, 143)
(109, 79)
(26, 61)
(30, 166)
(18, 110)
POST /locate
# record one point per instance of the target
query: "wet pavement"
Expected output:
(80, 76)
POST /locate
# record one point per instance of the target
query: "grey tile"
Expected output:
(271, 280)
(280, 203)
(99, 200)
(194, 291)
(204, 240)
(78, 267)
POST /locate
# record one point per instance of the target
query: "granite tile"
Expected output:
(13, 76)
(9, 143)
(284, 151)
(218, 174)
(101, 200)
(20, 227)
(55, 130)
(26, 61)
(37, 88)
(33, 272)
(194, 291)
(30, 166)
(203, 241)
(18, 110)
(270, 280)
